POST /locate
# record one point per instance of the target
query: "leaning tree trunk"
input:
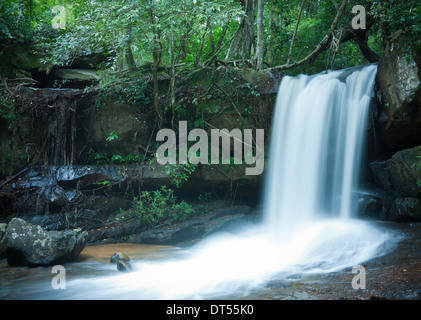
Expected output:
(243, 39)
(295, 32)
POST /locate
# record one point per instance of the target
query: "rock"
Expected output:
(122, 260)
(369, 206)
(194, 228)
(405, 209)
(30, 245)
(396, 175)
(2, 239)
(88, 59)
(119, 256)
(76, 78)
(124, 266)
(399, 83)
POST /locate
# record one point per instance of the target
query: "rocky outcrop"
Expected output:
(30, 245)
(398, 178)
(397, 175)
(195, 228)
(403, 209)
(2, 239)
(399, 84)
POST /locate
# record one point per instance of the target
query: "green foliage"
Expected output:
(111, 136)
(206, 196)
(180, 173)
(400, 16)
(7, 108)
(152, 207)
(15, 24)
(130, 89)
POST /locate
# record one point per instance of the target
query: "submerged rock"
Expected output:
(119, 256)
(122, 260)
(30, 245)
(124, 266)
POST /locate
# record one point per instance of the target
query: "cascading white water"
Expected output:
(316, 147)
(314, 158)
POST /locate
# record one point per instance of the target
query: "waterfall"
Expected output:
(316, 146)
(308, 225)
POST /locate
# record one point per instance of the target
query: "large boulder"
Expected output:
(30, 245)
(397, 175)
(2, 238)
(403, 209)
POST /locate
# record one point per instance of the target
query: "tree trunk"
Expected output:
(128, 48)
(272, 35)
(295, 32)
(260, 37)
(218, 46)
(199, 52)
(172, 81)
(156, 54)
(244, 36)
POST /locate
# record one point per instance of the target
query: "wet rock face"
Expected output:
(396, 175)
(398, 178)
(399, 83)
(405, 209)
(2, 239)
(30, 245)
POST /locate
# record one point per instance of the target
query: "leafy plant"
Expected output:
(180, 173)
(153, 207)
(112, 136)
(206, 196)
(7, 108)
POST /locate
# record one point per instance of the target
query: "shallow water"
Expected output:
(236, 267)
(94, 261)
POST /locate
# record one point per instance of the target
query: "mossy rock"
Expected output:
(116, 257)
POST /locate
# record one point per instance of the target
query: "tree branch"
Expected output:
(322, 46)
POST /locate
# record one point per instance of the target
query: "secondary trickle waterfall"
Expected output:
(316, 147)
(314, 158)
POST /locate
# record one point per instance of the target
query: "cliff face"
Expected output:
(398, 132)
(399, 83)
(62, 158)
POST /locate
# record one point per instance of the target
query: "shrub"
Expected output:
(152, 207)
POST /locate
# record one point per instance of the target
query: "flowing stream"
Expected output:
(308, 222)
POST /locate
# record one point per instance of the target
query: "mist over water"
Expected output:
(308, 221)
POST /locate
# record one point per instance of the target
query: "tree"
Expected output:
(243, 40)
(323, 44)
(260, 49)
(295, 31)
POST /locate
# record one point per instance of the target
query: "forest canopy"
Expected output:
(191, 33)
